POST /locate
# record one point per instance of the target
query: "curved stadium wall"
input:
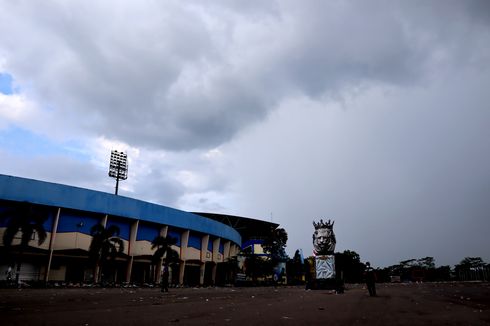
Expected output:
(203, 244)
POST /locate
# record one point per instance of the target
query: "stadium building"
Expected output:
(205, 242)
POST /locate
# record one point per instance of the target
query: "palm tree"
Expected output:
(163, 246)
(274, 246)
(275, 243)
(255, 265)
(231, 269)
(105, 245)
(29, 222)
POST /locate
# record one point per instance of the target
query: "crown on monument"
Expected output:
(323, 225)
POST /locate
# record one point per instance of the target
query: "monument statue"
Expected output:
(323, 238)
(323, 248)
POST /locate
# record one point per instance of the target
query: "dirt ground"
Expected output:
(396, 304)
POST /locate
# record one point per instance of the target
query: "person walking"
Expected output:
(370, 277)
(165, 274)
(9, 276)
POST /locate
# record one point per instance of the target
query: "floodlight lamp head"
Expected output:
(118, 166)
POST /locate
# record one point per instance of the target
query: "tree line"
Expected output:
(411, 270)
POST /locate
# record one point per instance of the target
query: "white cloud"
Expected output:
(15, 109)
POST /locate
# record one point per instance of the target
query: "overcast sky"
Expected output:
(375, 114)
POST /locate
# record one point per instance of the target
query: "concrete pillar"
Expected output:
(234, 250)
(129, 269)
(51, 243)
(226, 250)
(181, 272)
(163, 233)
(204, 247)
(131, 243)
(204, 250)
(216, 254)
(213, 272)
(97, 275)
(202, 272)
(104, 221)
(184, 240)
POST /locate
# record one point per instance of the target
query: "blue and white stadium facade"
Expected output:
(205, 241)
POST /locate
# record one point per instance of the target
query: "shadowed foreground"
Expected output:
(397, 304)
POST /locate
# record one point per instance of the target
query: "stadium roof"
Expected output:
(248, 228)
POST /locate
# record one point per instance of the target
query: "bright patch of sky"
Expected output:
(6, 84)
(25, 143)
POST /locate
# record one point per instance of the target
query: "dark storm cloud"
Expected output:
(192, 76)
(403, 172)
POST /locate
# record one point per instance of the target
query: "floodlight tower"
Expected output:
(118, 167)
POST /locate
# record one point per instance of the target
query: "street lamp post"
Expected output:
(118, 167)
